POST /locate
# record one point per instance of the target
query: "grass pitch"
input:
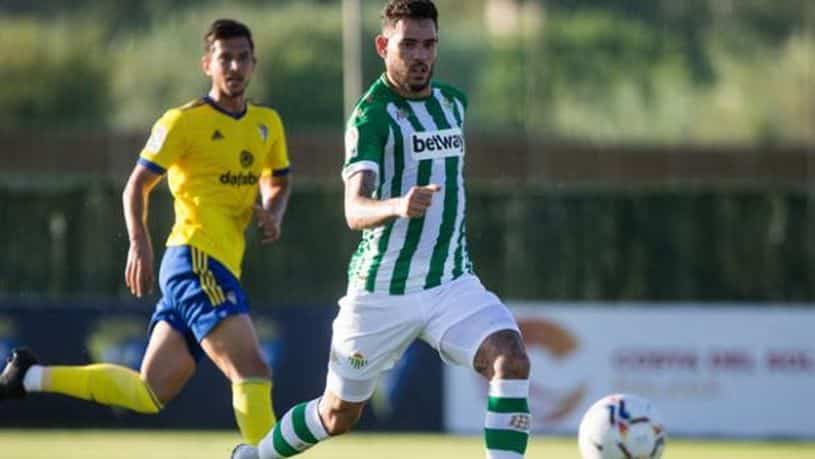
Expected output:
(112, 444)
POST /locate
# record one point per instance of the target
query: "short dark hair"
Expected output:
(410, 9)
(226, 28)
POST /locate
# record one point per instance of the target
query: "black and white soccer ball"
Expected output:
(621, 426)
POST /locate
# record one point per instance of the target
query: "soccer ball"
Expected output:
(621, 426)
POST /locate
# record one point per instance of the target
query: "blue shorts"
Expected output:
(198, 292)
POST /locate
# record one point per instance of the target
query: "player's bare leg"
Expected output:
(233, 347)
(166, 368)
(502, 355)
(167, 364)
(339, 416)
(502, 359)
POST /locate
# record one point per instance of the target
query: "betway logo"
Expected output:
(239, 179)
(437, 144)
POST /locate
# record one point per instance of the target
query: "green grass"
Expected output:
(95, 444)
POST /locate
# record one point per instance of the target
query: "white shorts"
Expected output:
(373, 330)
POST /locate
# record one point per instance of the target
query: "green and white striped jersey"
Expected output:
(409, 142)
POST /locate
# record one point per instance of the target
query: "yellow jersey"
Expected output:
(213, 160)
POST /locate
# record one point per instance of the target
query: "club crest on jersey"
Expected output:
(263, 131)
(437, 144)
(357, 360)
(246, 159)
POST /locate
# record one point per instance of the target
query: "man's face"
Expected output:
(409, 51)
(230, 63)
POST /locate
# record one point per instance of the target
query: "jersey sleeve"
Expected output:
(165, 145)
(365, 138)
(277, 159)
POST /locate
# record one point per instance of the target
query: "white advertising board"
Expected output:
(733, 371)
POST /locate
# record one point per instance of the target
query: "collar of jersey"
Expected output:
(217, 107)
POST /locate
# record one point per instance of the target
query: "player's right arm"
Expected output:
(362, 211)
(139, 275)
(163, 148)
(365, 139)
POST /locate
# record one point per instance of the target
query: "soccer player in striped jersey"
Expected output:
(411, 275)
(218, 153)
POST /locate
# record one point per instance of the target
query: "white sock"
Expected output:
(32, 380)
(506, 425)
(298, 430)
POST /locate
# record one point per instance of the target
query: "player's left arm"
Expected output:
(274, 198)
(275, 184)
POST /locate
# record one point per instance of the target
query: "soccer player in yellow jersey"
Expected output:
(218, 152)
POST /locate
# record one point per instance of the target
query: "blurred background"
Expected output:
(640, 191)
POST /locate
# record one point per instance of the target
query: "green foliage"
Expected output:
(298, 72)
(589, 51)
(768, 100)
(300, 69)
(53, 74)
(634, 74)
(638, 71)
(157, 70)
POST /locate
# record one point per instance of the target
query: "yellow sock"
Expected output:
(252, 401)
(102, 383)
